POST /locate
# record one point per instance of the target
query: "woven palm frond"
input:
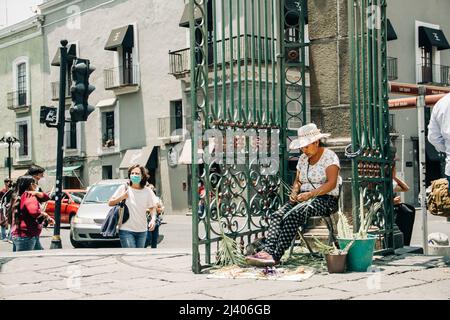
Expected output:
(300, 206)
(229, 252)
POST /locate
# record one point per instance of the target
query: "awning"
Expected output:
(186, 153)
(136, 156)
(391, 35)
(18, 173)
(120, 37)
(184, 22)
(72, 51)
(67, 171)
(106, 103)
(429, 37)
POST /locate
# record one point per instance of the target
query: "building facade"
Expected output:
(417, 60)
(137, 102)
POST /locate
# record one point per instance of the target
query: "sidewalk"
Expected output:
(117, 273)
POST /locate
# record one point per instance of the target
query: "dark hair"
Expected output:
(34, 170)
(144, 178)
(24, 183)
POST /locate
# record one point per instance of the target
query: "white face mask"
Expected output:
(42, 181)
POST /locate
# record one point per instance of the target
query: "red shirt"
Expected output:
(30, 210)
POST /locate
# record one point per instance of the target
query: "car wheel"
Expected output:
(75, 244)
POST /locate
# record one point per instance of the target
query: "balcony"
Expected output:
(392, 68)
(435, 74)
(17, 101)
(122, 79)
(168, 126)
(180, 62)
(55, 90)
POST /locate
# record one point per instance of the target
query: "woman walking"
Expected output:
(317, 179)
(27, 218)
(138, 199)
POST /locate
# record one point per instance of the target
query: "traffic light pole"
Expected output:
(56, 240)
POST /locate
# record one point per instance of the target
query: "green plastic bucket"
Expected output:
(360, 255)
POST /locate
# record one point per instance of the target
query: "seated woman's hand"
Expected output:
(293, 198)
(304, 196)
(397, 200)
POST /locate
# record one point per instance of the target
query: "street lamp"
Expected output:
(6, 142)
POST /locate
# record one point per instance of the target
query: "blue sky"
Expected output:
(13, 11)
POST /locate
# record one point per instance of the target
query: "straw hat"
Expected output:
(306, 135)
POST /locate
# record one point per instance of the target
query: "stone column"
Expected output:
(329, 78)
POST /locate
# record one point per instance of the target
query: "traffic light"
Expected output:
(80, 90)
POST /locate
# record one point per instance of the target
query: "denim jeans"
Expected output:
(152, 237)
(26, 244)
(3, 232)
(131, 239)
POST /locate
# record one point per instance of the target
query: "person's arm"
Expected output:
(295, 188)
(332, 173)
(118, 196)
(434, 131)
(151, 209)
(40, 195)
(401, 185)
(31, 204)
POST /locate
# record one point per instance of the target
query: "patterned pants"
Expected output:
(285, 222)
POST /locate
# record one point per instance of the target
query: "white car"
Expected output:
(85, 227)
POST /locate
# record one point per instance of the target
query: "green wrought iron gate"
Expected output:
(372, 159)
(247, 90)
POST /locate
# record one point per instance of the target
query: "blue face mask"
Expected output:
(135, 179)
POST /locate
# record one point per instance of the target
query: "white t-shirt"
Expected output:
(317, 172)
(138, 201)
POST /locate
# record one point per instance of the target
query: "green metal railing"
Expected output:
(372, 161)
(244, 96)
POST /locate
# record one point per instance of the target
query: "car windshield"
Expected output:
(100, 193)
(77, 196)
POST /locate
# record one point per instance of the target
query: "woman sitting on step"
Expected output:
(317, 177)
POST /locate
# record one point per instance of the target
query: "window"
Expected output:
(108, 129)
(23, 137)
(427, 64)
(107, 172)
(178, 115)
(23, 133)
(70, 135)
(127, 63)
(22, 84)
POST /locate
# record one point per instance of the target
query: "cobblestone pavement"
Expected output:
(166, 274)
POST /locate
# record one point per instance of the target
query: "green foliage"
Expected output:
(343, 227)
(229, 252)
(365, 219)
(326, 249)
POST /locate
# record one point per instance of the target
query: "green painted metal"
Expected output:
(247, 85)
(372, 162)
